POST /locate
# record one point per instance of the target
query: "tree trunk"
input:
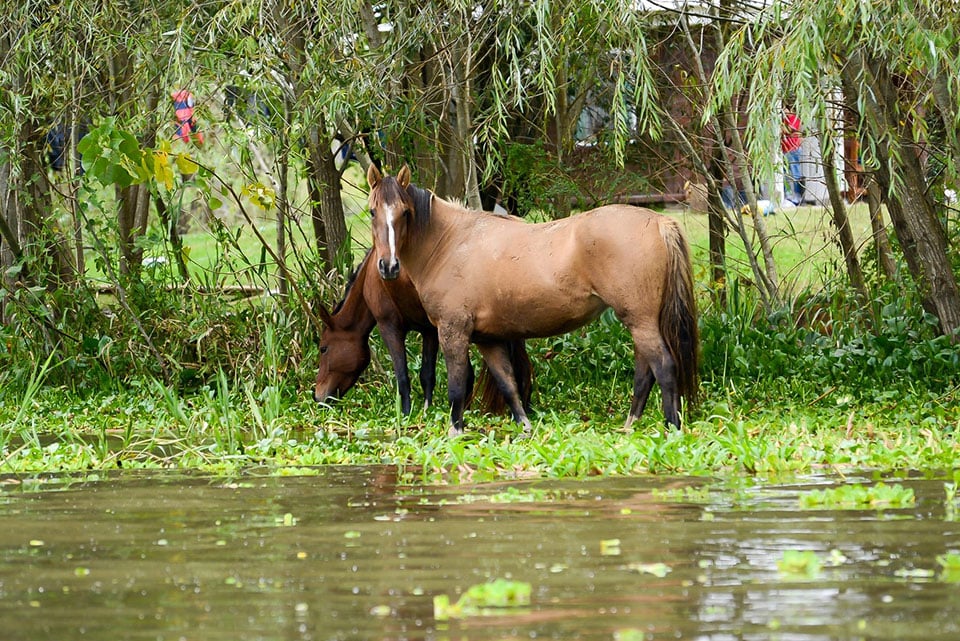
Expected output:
(725, 124)
(283, 208)
(922, 236)
(842, 223)
(170, 224)
(323, 179)
(461, 73)
(133, 209)
(718, 234)
(881, 242)
(326, 211)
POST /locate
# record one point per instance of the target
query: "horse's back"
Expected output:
(520, 279)
(622, 249)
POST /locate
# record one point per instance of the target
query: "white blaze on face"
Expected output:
(390, 215)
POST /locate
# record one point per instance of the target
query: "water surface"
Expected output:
(352, 554)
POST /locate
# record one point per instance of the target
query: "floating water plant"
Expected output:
(950, 502)
(516, 495)
(610, 547)
(658, 570)
(950, 567)
(483, 599)
(688, 494)
(797, 563)
(855, 497)
(287, 520)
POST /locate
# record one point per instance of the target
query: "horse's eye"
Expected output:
(373, 213)
(323, 349)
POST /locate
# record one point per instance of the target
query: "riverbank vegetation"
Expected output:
(159, 294)
(801, 390)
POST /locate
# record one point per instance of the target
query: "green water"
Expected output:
(351, 554)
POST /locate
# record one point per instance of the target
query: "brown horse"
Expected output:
(488, 279)
(395, 308)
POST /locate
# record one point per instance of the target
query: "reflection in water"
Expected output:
(349, 554)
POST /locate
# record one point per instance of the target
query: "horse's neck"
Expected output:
(449, 224)
(354, 311)
(445, 231)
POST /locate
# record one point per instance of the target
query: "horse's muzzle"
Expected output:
(389, 268)
(329, 397)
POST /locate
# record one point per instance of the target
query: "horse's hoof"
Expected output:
(454, 432)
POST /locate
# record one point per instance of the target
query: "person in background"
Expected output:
(186, 124)
(790, 141)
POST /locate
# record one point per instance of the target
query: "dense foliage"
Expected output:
(158, 296)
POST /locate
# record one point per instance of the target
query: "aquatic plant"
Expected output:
(879, 496)
(949, 567)
(495, 597)
(800, 563)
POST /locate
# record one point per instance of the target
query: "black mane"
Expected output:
(422, 202)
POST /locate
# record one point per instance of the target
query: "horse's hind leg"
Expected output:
(497, 358)
(642, 384)
(428, 365)
(653, 361)
(665, 370)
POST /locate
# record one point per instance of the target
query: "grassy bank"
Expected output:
(827, 383)
(577, 433)
(773, 403)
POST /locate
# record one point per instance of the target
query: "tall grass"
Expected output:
(782, 391)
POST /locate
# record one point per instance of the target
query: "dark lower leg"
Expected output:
(428, 367)
(396, 345)
(459, 374)
(666, 374)
(497, 358)
(642, 384)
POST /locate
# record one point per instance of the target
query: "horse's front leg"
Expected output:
(428, 365)
(396, 340)
(497, 358)
(456, 354)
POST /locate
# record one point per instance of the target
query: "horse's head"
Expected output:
(344, 354)
(391, 209)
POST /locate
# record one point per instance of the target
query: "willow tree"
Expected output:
(298, 59)
(456, 73)
(31, 246)
(899, 60)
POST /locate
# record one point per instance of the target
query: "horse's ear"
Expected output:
(373, 176)
(403, 178)
(325, 316)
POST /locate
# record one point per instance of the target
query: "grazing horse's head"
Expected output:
(344, 354)
(391, 209)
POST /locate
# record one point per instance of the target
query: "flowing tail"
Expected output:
(492, 400)
(678, 312)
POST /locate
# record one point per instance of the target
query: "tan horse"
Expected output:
(487, 279)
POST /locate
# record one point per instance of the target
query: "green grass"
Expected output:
(778, 398)
(577, 433)
(803, 240)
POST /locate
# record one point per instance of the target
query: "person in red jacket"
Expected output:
(790, 141)
(186, 124)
